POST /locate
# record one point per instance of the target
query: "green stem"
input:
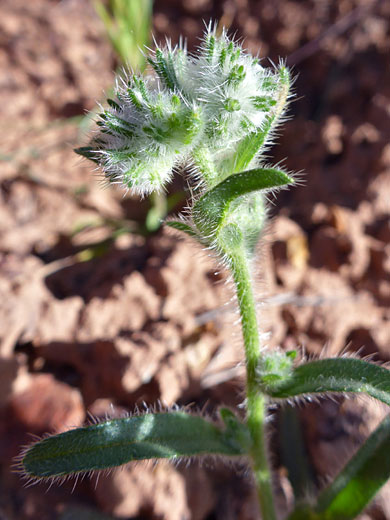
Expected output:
(157, 212)
(256, 401)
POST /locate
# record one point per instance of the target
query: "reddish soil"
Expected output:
(102, 328)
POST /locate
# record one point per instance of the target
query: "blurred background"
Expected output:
(101, 309)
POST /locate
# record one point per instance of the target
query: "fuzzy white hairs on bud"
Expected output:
(194, 111)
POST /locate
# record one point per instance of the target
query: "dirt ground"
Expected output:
(96, 318)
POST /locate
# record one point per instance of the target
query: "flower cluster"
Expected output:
(195, 110)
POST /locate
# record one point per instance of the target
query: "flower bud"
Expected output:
(196, 106)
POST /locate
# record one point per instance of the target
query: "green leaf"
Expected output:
(127, 24)
(360, 480)
(181, 226)
(235, 428)
(251, 145)
(116, 442)
(337, 375)
(303, 512)
(210, 210)
(88, 152)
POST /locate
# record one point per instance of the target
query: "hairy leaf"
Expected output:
(88, 152)
(333, 375)
(210, 210)
(118, 441)
(253, 143)
(235, 427)
(182, 226)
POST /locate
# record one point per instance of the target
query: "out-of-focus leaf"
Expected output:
(360, 480)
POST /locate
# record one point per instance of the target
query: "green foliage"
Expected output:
(338, 375)
(356, 484)
(232, 215)
(128, 26)
(253, 142)
(360, 480)
(118, 441)
(213, 208)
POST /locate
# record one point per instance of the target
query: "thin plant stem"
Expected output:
(256, 401)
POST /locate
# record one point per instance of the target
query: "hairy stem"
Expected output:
(256, 401)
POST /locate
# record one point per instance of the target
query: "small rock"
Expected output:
(48, 405)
